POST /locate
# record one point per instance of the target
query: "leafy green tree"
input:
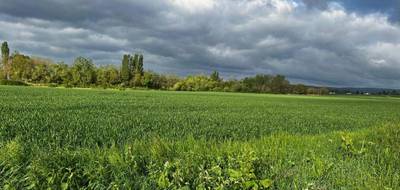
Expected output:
(5, 53)
(2, 74)
(43, 70)
(279, 84)
(83, 72)
(299, 89)
(59, 73)
(113, 75)
(41, 73)
(215, 76)
(165, 81)
(195, 83)
(323, 91)
(139, 66)
(101, 75)
(133, 61)
(148, 79)
(138, 78)
(263, 83)
(125, 71)
(22, 67)
(64, 71)
(107, 76)
(154, 80)
(260, 83)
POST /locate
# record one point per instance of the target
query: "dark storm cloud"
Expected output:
(313, 41)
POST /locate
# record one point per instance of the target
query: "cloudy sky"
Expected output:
(322, 42)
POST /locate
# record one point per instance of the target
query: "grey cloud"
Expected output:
(325, 45)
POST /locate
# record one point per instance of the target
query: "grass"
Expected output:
(109, 139)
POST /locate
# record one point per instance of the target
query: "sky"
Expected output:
(342, 43)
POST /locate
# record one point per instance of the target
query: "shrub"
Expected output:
(13, 83)
(53, 85)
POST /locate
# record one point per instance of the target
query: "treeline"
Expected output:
(260, 83)
(131, 74)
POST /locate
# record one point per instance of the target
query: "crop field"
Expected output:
(61, 138)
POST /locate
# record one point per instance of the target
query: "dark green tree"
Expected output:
(41, 73)
(83, 72)
(299, 89)
(147, 79)
(107, 76)
(5, 53)
(22, 67)
(260, 83)
(125, 71)
(215, 76)
(279, 84)
(138, 81)
(59, 73)
(139, 66)
(133, 61)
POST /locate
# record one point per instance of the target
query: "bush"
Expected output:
(53, 85)
(13, 83)
(195, 83)
(68, 85)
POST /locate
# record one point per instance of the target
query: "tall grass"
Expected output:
(105, 139)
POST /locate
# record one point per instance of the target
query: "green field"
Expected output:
(108, 139)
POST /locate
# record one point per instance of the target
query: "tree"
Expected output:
(195, 83)
(137, 80)
(147, 79)
(166, 81)
(41, 73)
(22, 67)
(323, 91)
(83, 72)
(215, 76)
(125, 71)
(58, 73)
(263, 83)
(299, 89)
(260, 83)
(279, 84)
(312, 91)
(133, 64)
(44, 70)
(107, 76)
(139, 65)
(138, 71)
(5, 53)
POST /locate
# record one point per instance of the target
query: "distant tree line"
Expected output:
(366, 91)
(84, 73)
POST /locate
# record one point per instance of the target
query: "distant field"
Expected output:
(99, 139)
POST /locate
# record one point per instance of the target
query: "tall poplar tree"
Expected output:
(5, 53)
(133, 62)
(125, 72)
(138, 70)
(139, 66)
(215, 76)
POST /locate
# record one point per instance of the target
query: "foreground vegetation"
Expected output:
(107, 139)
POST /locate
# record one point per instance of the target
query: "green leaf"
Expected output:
(217, 170)
(266, 183)
(163, 182)
(64, 186)
(185, 188)
(234, 174)
(251, 185)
